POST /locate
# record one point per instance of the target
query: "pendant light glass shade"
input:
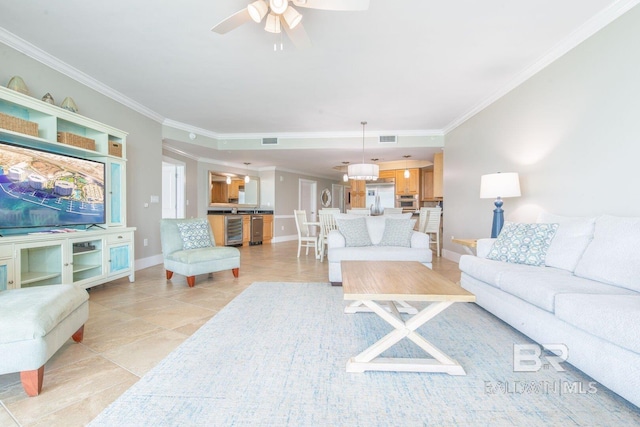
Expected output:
(407, 174)
(363, 171)
(273, 24)
(228, 180)
(257, 10)
(292, 17)
(247, 179)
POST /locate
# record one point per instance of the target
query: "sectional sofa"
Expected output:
(585, 294)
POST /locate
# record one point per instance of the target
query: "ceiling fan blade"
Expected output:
(232, 22)
(333, 4)
(298, 36)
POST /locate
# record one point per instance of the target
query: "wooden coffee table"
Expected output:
(380, 286)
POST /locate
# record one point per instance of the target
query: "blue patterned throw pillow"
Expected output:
(195, 234)
(354, 231)
(523, 243)
(397, 232)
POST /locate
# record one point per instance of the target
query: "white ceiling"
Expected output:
(414, 67)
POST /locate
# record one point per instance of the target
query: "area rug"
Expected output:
(276, 356)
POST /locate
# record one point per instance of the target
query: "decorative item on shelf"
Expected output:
(115, 149)
(48, 99)
(76, 140)
(363, 171)
(16, 83)
(499, 185)
(69, 104)
(16, 124)
(376, 208)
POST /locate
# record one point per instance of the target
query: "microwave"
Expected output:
(408, 202)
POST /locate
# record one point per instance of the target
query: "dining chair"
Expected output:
(327, 223)
(359, 211)
(391, 211)
(305, 238)
(429, 223)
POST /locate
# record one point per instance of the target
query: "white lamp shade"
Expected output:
(499, 185)
(273, 23)
(257, 10)
(363, 171)
(292, 17)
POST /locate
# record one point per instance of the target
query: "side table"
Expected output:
(469, 245)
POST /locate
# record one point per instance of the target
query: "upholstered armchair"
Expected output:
(189, 248)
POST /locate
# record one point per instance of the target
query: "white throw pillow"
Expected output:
(571, 240)
(612, 256)
(523, 243)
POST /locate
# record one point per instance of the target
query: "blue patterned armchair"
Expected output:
(189, 248)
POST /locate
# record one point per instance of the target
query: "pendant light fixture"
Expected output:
(407, 174)
(228, 180)
(246, 177)
(363, 171)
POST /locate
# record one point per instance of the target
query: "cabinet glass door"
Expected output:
(116, 193)
(119, 258)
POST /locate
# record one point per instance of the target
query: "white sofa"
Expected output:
(412, 246)
(585, 296)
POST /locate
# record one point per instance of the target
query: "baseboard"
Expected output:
(143, 263)
(451, 255)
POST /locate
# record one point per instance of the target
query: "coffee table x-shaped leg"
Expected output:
(369, 359)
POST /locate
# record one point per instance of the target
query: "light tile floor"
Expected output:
(132, 326)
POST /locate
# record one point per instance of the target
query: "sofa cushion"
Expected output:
(487, 270)
(397, 232)
(30, 313)
(523, 243)
(354, 231)
(195, 234)
(210, 254)
(540, 286)
(377, 253)
(571, 240)
(612, 256)
(614, 318)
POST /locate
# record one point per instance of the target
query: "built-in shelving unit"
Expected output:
(82, 257)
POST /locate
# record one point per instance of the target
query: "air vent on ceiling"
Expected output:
(269, 141)
(387, 139)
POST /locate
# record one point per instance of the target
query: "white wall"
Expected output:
(572, 132)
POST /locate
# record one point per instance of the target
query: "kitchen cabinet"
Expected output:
(246, 229)
(409, 185)
(267, 228)
(387, 174)
(427, 186)
(358, 193)
(438, 164)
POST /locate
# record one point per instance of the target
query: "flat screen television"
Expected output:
(43, 189)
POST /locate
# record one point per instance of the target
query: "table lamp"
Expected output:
(499, 185)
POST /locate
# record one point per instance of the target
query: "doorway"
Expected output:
(173, 188)
(308, 198)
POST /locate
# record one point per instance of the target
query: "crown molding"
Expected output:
(56, 64)
(585, 31)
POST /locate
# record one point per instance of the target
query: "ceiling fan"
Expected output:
(281, 14)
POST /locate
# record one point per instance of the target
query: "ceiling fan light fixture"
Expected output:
(273, 24)
(278, 6)
(257, 10)
(292, 17)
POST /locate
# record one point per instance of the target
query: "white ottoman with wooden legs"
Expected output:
(34, 323)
